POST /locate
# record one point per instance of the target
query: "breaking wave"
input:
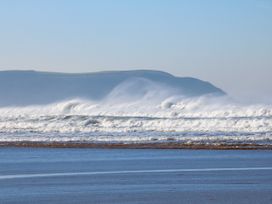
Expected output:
(140, 111)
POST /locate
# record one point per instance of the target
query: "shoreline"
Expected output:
(120, 145)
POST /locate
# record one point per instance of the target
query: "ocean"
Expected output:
(148, 119)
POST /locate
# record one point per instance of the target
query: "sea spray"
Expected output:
(151, 116)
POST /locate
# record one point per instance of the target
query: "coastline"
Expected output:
(146, 176)
(120, 145)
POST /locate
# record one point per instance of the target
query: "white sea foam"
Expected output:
(145, 171)
(152, 113)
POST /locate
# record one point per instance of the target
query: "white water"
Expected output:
(152, 171)
(150, 113)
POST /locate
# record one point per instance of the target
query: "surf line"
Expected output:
(63, 174)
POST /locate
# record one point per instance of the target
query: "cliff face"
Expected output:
(32, 87)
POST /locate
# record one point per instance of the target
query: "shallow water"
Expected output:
(56, 175)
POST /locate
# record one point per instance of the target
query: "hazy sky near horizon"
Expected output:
(227, 42)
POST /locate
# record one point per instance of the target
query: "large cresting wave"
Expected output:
(140, 111)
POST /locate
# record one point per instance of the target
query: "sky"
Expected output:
(226, 42)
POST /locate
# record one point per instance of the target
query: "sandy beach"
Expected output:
(162, 145)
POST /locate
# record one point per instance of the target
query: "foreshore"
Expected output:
(145, 176)
(120, 145)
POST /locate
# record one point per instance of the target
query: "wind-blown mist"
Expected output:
(140, 110)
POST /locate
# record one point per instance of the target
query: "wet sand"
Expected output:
(149, 145)
(89, 175)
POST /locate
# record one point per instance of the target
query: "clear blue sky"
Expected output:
(227, 42)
